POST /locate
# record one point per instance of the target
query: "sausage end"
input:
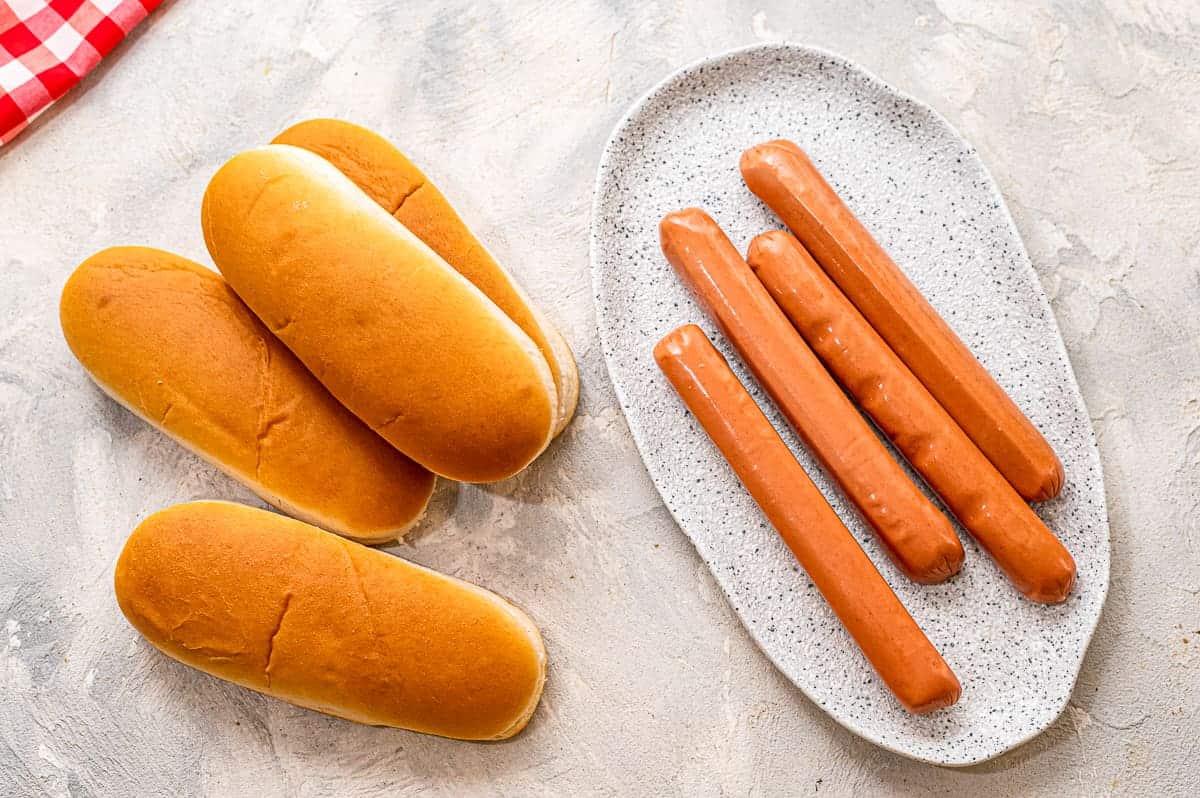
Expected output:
(1048, 485)
(1056, 587)
(675, 343)
(768, 155)
(771, 244)
(946, 564)
(946, 697)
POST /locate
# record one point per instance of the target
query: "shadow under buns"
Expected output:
(169, 340)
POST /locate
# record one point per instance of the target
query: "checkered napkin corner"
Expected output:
(46, 46)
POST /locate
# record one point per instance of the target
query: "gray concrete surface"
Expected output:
(1087, 115)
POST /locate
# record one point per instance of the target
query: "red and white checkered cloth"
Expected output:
(46, 46)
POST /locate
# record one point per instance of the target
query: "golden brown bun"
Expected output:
(389, 178)
(401, 339)
(283, 608)
(169, 340)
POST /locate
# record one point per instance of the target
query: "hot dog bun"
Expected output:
(400, 338)
(283, 608)
(400, 188)
(169, 340)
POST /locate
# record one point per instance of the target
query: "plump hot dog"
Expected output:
(889, 637)
(920, 540)
(784, 178)
(968, 484)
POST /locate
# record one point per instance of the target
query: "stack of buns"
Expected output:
(388, 177)
(358, 341)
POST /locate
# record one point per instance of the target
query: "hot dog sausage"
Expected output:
(982, 500)
(920, 540)
(787, 181)
(889, 637)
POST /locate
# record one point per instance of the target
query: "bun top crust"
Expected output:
(384, 173)
(408, 344)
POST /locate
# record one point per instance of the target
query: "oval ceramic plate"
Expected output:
(925, 194)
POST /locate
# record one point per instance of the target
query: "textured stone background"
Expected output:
(1089, 118)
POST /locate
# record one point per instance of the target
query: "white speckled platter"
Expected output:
(925, 194)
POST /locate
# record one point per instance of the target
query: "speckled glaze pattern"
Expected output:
(927, 197)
